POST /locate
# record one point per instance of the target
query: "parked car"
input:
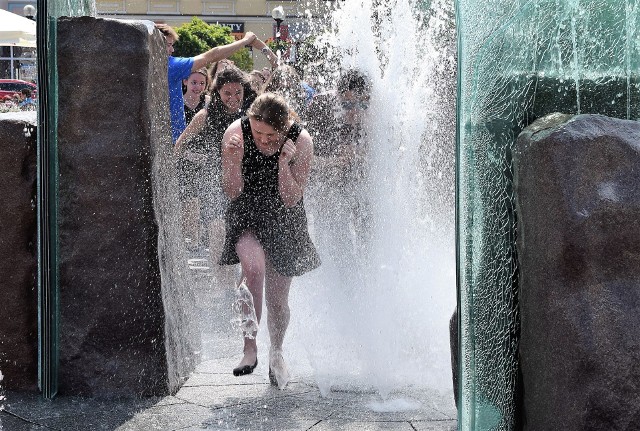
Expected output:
(9, 87)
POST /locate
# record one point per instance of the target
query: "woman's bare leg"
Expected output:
(277, 298)
(225, 276)
(252, 261)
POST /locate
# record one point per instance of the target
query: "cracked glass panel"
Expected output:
(518, 61)
(48, 287)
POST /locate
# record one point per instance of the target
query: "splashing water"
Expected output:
(386, 325)
(574, 7)
(394, 405)
(245, 311)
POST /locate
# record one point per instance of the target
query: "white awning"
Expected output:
(16, 30)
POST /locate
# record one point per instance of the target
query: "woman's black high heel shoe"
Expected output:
(244, 370)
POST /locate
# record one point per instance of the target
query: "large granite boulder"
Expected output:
(18, 252)
(577, 183)
(124, 302)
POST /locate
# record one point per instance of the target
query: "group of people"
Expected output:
(22, 101)
(246, 148)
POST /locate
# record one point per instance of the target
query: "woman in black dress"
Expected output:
(198, 152)
(266, 160)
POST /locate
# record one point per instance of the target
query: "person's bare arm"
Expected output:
(260, 45)
(294, 167)
(194, 127)
(232, 154)
(220, 52)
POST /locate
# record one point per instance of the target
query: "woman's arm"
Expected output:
(220, 52)
(232, 154)
(194, 127)
(273, 58)
(294, 166)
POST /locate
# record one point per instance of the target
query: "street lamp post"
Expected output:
(278, 15)
(29, 12)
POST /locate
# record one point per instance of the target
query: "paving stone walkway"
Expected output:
(213, 399)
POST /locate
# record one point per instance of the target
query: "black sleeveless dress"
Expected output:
(204, 180)
(190, 113)
(281, 231)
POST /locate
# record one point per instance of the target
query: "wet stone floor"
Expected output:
(213, 399)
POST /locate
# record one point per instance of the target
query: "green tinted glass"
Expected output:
(518, 61)
(48, 288)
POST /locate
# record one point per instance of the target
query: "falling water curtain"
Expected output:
(518, 61)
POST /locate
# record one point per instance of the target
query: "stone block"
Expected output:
(18, 253)
(124, 306)
(577, 184)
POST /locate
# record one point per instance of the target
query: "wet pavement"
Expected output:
(213, 399)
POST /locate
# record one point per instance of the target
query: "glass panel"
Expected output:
(47, 186)
(518, 61)
(60, 8)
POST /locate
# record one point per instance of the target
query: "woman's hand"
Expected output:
(195, 158)
(287, 152)
(235, 149)
(294, 165)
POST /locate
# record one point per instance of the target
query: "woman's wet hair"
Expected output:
(283, 78)
(257, 80)
(271, 109)
(257, 74)
(228, 76)
(202, 71)
(354, 80)
(220, 65)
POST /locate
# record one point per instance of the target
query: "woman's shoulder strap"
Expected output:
(246, 129)
(246, 126)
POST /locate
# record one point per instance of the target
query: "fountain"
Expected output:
(520, 61)
(80, 306)
(384, 327)
(580, 57)
(412, 189)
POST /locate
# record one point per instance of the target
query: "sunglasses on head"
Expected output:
(353, 104)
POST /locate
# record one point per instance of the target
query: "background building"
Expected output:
(16, 6)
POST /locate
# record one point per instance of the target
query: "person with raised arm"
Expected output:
(180, 68)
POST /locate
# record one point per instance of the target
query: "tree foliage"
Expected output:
(196, 37)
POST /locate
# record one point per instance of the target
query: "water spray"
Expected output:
(245, 311)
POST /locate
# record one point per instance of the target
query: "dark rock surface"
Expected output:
(18, 253)
(117, 313)
(577, 182)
